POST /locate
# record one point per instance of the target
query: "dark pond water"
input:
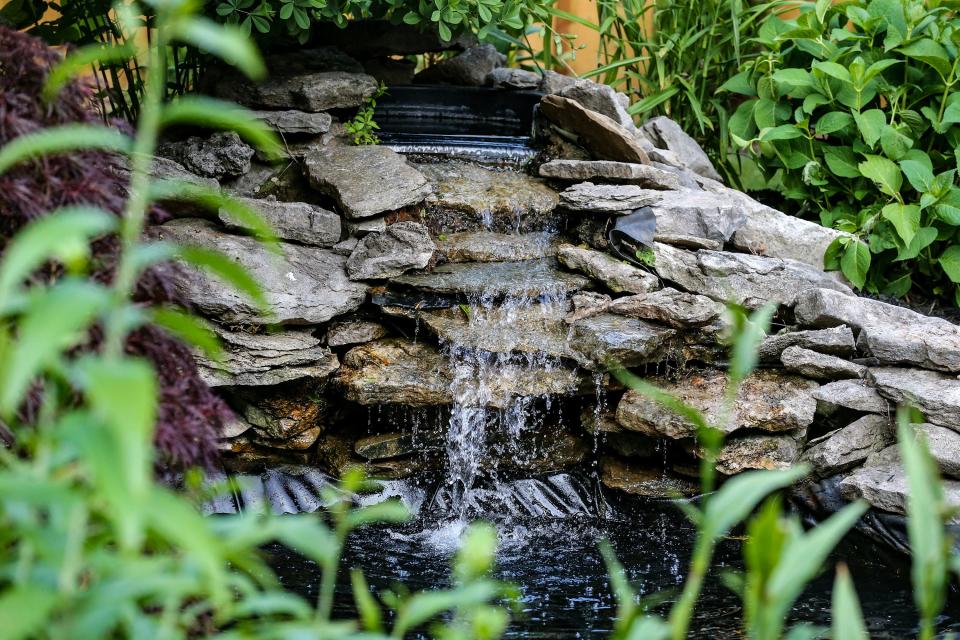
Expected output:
(565, 592)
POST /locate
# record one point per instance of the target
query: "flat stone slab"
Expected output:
(312, 91)
(641, 480)
(886, 487)
(836, 341)
(530, 279)
(605, 138)
(944, 447)
(756, 452)
(365, 180)
(737, 277)
(643, 175)
(768, 400)
(297, 221)
(850, 394)
(893, 335)
(488, 246)
(935, 394)
(849, 446)
(819, 366)
(302, 285)
(342, 333)
(616, 275)
(251, 359)
(396, 371)
(468, 197)
(674, 308)
(292, 122)
(612, 340)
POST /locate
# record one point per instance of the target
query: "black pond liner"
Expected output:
(479, 122)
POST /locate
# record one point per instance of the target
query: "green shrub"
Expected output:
(851, 112)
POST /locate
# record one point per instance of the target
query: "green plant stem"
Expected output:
(682, 611)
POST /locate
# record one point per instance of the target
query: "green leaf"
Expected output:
(25, 609)
(884, 173)
(894, 144)
(922, 239)
(833, 70)
(217, 114)
(919, 171)
(871, 125)
(950, 262)
(80, 61)
(426, 605)
(855, 263)
(905, 219)
(847, 618)
(227, 270)
(227, 42)
(793, 77)
(842, 162)
(386, 511)
(188, 328)
(783, 132)
(930, 52)
(745, 351)
(370, 613)
(741, 494)
(411, 17)
(653, 101)
(306, 534)
(833, 121)
(62, 139)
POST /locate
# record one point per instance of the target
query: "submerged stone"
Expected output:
(767, 400)
(468, 197)
(530, 279)
(616, 275)
(487, 246)
(302, 285)
(365, 180)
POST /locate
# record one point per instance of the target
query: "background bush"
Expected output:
(851, 112)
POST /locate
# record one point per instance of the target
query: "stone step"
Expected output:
(528, 279)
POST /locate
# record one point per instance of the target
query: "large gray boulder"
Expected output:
(365, 180)
(221, 155)
(849, 446)
(892, 335)
(259, 359)
(293, 122)
(616, 275)
(604, 137)
(302, 285)
(489, 246)
(819, 366)
(767, 400)
(935, 394)
(403, 246)
(610, 340)
(469, 68)
(737, 277)
(667, 134)
(674, 308)
(643, 175)
(297, 221)
(600, 98)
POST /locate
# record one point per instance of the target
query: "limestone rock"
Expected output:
(346, 247)
(820, 366)
(944, 447)
(365, 180)
(395, 445)
(736, 277)
(283, 411)
(297, 221)
(886, 487)
(850, 394)
(688, 242)
(507, 78)
(643, 481)
(395, 371)
(611, 340)
(469, 68)
(757, 451)
(468, 197)
(303, 285)
(671, 307)
(221, 155)
(643, 175)
(529, 279)
(893, 335)
(361, 228)
(617, 276)
(935, 394)
(292, 122)
(667, 134)
(845, 448)
(312, 91)
(586, 304)
(251, 359)
(602, 99)
(554, 82)
(341, 333)
(299, 442)
(837, 341)
(285, 182)
(487, 246)
(605, 138)
(403, 246)
(768, 401)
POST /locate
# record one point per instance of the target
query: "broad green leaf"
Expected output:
(855, 263)
(793, 77)
(948, 213)
(950, 262)
(25, 609)
(930, 52)
(821, 9)
(386, 511)
(831, 256)
(765, 113)
(842, 162)
(871, 125)
(477, 553)
(783, 132)
(79, 62)
(227, 270)
(847, 618)
(833, 70)
(306, 534)
(905, 219)
(217, 114)
(63, 235)
(894, 144)
(62, 139)
(652, 101)
(833, 121)
(879, 67)
(741, 494)
(884, 173)
(922, 239)
(188, 328)
(814, 100)
(740, 84)
(427, 605)
(227, 42)
(919, 171)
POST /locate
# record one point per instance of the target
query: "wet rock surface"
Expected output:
(643, 175)
(488, 246)
(401, 247)
(530, 278)
(674, 308)
(649, 483)
(618, 276)
(610, 340)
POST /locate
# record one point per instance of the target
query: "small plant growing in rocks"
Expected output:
(363, 127)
